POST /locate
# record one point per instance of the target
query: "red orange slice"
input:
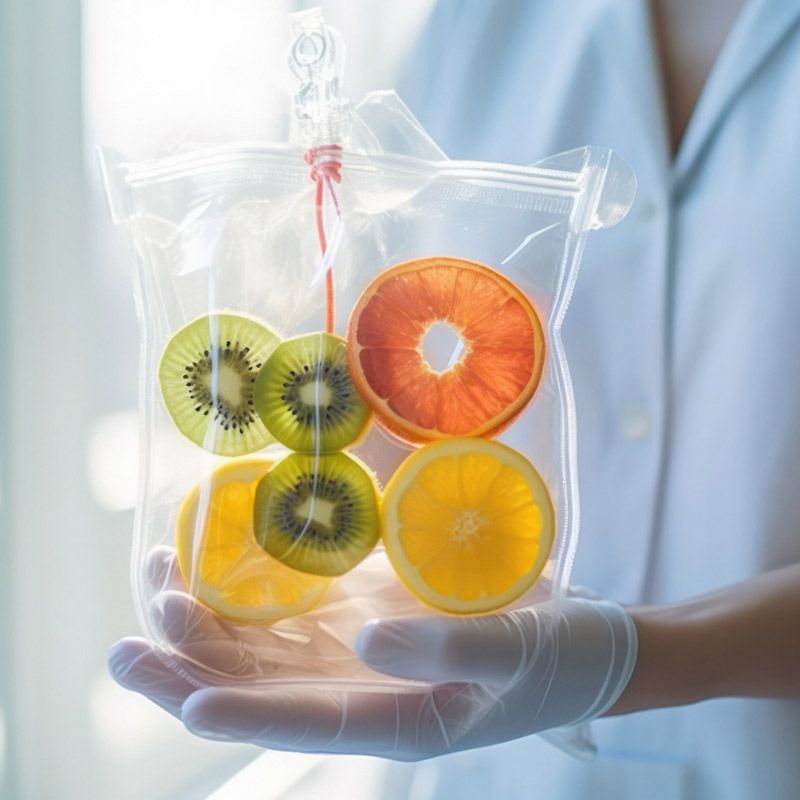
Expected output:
(493, 377)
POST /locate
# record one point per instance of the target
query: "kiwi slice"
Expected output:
(317, 513)
(305, 397)
(208, 373)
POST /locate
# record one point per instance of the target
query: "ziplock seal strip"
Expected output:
(553, 189)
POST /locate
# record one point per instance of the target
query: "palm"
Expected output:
(299, 685)
(318, 644)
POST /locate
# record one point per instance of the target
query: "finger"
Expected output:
(582, 592)
(490, 650)
(407, 726)
(137, 666)
(161, 569)
(220, 647)
(180, 620)
(199, 636)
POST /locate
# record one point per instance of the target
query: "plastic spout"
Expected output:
(317, 58)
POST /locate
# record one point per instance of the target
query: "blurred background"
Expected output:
(143, 77)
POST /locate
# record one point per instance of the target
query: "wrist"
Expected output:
(622, 644)
(673, 664)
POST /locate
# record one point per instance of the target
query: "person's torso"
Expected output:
(683, 336)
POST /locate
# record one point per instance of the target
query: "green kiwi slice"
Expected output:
(208, 373)
(317, 513)
(305, 396)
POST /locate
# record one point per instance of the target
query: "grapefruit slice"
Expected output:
(497, 365)
(468, 524)
(220, 560)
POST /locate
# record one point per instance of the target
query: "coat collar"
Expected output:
(760, 29)
(632, 53)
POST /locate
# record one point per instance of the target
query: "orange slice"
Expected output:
(494, 375)
(220, 560)
(468, 524)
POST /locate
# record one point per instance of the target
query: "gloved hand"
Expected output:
(486, 680)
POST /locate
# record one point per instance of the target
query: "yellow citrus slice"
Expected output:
(468, 524)
(220, 560)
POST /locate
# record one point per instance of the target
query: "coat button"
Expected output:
(636, 423)
(647, 210)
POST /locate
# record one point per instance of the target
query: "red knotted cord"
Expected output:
(325, 163)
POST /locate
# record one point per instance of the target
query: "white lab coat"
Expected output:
(684, 343)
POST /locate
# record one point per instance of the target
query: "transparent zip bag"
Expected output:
(354, 400)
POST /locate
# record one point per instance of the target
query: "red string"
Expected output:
(325, 163)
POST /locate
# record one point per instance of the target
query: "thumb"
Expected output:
(490, 650)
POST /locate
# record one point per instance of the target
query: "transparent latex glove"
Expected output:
(461, 683)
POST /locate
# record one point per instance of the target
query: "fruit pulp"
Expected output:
(492, 376)
(220, 560)
(468, 524)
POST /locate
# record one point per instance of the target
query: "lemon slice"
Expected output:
(468, 524)
(220, 560)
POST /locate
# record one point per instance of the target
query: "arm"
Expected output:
(486, 679)
(740, 641)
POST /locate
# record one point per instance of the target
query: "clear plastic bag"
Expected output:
(368, 335)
